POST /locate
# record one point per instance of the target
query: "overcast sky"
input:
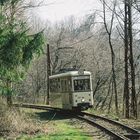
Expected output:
(60, 9)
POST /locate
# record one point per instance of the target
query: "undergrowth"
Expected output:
(13, 122)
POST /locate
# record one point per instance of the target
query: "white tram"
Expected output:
(75, 88)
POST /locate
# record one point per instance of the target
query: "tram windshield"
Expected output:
(82, 85)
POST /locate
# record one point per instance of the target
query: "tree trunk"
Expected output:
(103, 103)
(109, 106)
(133, 95)
(129, 85)
(109, 32)
(9, 93)
(126, 82)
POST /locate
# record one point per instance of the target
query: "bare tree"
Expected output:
(109, 32)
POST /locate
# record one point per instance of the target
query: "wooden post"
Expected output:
(48, 74)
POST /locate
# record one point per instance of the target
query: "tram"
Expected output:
(75, 88)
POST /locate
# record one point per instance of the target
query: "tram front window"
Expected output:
(82, 85)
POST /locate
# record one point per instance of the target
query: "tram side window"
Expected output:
(51, 85)
(69, 85)
(58, 82)
(54, 85)
(82, 85)
(64, 85)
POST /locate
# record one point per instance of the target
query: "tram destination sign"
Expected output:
(81, 77)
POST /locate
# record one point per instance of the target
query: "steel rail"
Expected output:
(80, 115)
(116, 136)
(41, 107)
(132, 130)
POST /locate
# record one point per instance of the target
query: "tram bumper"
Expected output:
(83, 106)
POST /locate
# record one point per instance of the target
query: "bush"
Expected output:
(14, 121)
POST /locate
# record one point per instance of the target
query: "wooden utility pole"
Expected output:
(130, 101)
(48, 74)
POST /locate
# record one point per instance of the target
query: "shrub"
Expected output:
(14, 121)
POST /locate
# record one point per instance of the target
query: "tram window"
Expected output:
(65, 84)
(54, 85)
(82, 85)
(69, 85)
(62, 85)
(59, 84)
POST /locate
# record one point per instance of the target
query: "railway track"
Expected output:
(115, 129)
(124, 132)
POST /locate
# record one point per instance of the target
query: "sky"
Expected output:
(60, 9)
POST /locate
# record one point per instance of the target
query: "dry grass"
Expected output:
(14, 122)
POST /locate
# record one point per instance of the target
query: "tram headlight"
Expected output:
(83, 100)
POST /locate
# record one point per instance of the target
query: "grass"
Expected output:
(51, 127)
(62, 131)
(111, 115)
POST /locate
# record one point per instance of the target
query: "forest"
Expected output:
(105, 42)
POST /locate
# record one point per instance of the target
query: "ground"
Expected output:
(52, 126)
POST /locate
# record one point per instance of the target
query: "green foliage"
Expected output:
(16, 51)
(17, 47)
(3, 1)
(32, 46)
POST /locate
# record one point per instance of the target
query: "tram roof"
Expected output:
(70, 73)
